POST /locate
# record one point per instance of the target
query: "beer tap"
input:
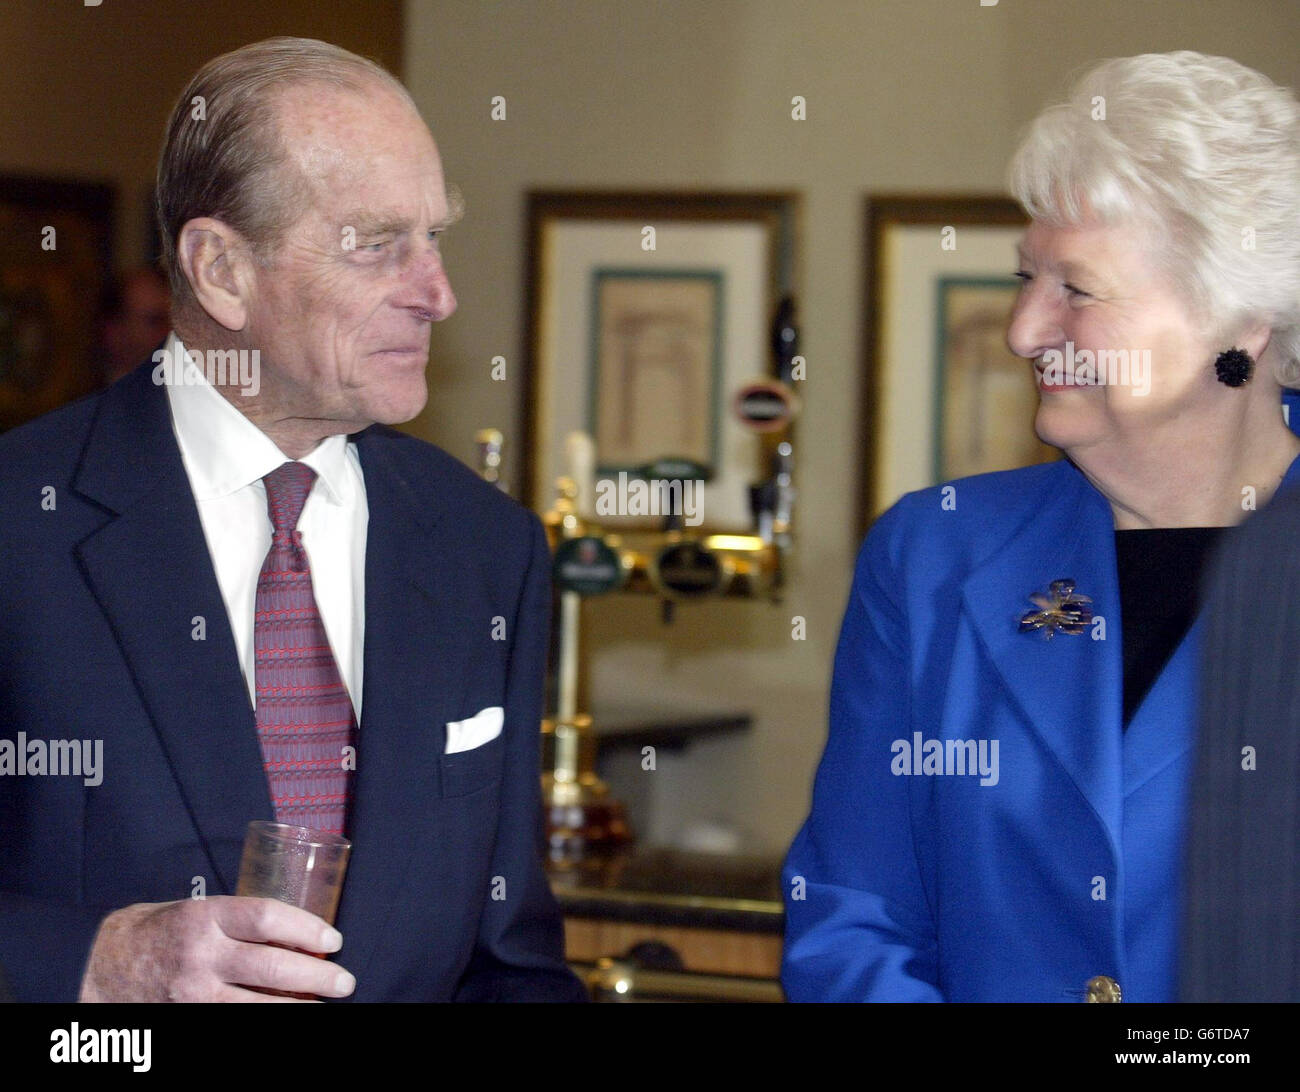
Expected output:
(785, 340)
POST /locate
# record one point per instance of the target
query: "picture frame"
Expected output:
(942, 395)
(55, 263)
(647, 311)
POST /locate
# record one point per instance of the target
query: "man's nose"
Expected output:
(445, 306)
(1035, 326)
(433, 292)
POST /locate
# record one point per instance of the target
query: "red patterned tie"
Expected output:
(304, 715)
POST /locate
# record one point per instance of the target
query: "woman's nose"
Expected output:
(1035, 326)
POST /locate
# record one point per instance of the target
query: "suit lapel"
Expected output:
(149, 569)
(415, 678)
(1068, 688)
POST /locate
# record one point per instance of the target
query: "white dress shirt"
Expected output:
(226, 457)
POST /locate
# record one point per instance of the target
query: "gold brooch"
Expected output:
(1062, 608)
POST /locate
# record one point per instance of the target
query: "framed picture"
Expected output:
(647, 313)
(943, 396)
(656, 360)
(55, 262)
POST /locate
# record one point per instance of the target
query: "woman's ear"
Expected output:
(218, 265)
(1254, 338)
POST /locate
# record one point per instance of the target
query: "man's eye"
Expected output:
(1077, 293)
(1024, 275)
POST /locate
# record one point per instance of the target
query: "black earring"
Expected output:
(1234, 367)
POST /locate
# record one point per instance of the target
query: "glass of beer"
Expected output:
(295, 865)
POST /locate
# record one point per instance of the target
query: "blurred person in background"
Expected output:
(135, 319)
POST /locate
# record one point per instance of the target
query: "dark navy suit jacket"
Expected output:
(1243, 871)
(104, 571)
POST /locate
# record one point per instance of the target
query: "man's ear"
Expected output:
(218, 264)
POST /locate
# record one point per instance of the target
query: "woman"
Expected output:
(999, 813)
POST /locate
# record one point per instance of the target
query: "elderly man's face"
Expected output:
(342, 314)
(1092, 291)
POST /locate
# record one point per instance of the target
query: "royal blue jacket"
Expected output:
(934, 886)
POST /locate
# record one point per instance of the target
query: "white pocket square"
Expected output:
(481, 728)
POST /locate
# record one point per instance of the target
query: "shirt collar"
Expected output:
(223, 450)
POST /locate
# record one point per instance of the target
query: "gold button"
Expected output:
(1103, 990)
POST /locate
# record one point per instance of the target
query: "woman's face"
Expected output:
(1117, 356)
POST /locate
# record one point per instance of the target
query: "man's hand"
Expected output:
(210, 950)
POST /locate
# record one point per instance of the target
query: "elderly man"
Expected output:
(232, 593)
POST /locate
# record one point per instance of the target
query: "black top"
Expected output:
(1159, 580)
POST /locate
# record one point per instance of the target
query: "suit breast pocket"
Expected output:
(467, 772)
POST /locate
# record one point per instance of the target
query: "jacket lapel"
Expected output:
(1163, 726)
(415, 679)
(1068, 687)
(149, 568)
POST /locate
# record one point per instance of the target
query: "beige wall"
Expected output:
(85, 91)
(903, 95)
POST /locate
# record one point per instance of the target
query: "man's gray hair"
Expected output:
(223, 155)
(1203, 154)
